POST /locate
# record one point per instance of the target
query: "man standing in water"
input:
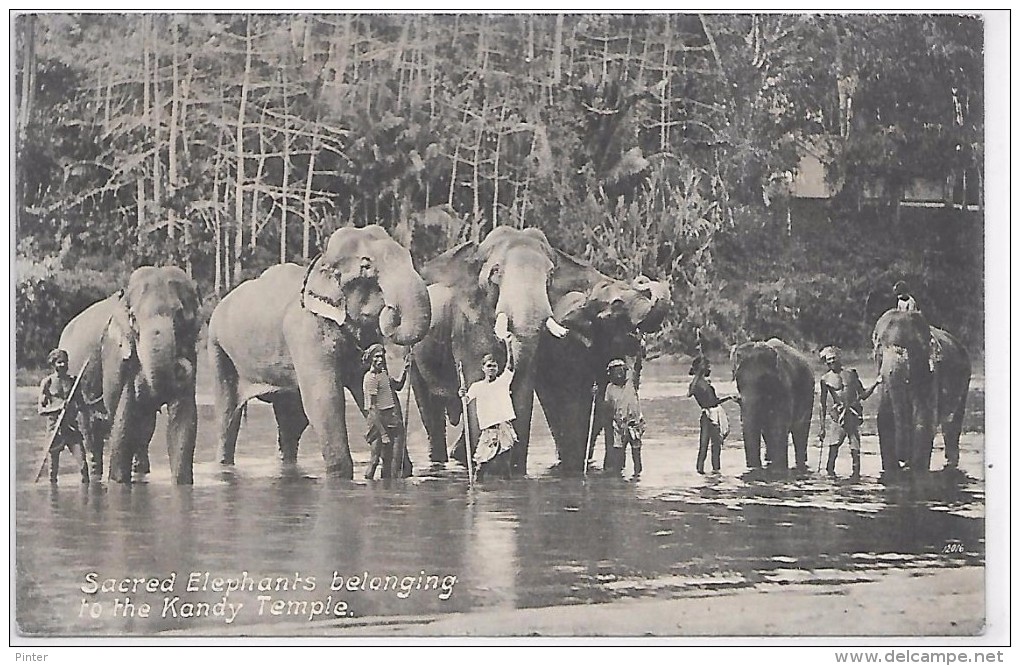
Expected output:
(54, 397)
(847, 413)
(714, 425)
(625, 425)
(385, 426)
(494, 407)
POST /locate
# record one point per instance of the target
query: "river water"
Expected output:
(430, 545)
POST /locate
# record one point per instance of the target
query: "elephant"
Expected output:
(607, 319)
(776, 388)
(294, 337)
(141, 346)
(925, 379)
(507, 273)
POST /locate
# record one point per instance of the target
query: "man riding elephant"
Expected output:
(926, 374)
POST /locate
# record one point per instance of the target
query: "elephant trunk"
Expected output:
(524, 299)
(751, 416)
(407, 315)
(895, 370)
(157, 351)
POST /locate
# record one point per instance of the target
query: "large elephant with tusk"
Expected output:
(140, 343)
(507, 273)
(294, 337)
(607, 319)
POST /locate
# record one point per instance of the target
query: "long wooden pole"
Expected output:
(467, 430)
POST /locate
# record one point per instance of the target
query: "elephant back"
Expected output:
(82, 339)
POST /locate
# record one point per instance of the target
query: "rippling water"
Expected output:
(533, 542)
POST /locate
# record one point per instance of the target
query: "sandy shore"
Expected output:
(932, 602)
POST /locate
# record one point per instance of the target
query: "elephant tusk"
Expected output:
(553, 327)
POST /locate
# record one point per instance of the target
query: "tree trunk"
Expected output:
(28, 74)
(495, 165)
(175, 109)
(252, 240)
(307, 232)
(286, 170)
(140, 204)
(239, 141)
(217, 236)
(663, 107)
(557, 49)
(157, 138)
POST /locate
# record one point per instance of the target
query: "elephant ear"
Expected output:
(456, 267)
(334, 310)
(186, 324)
(121, 330)
(734, 360)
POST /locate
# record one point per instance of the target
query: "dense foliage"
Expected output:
(654, 143)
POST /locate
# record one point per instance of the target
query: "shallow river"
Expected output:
(533, 542)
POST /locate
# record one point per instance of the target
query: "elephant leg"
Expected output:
(752, 447)
(951, 430)
(524, 403)
(952, 424)
(146, 426)
(93, 442)
(228, 409)
(291, 423)
(777, 445)
(887, 436)
(140, 459)
(326, 414)
(800, 431)
(433, 417)
(322, 396)
(181, 433)
(924, 442)
(126, 424)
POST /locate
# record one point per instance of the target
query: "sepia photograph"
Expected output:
(514, 327)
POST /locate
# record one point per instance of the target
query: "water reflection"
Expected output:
(534, 542)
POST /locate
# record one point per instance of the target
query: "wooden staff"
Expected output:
(61, 419)
(407, 410)
(588, 444)
(467, 430)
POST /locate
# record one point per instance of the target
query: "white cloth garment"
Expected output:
(717, 415)
(493, 402)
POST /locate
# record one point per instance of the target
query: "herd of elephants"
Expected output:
(294, 337)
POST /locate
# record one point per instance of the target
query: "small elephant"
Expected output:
(776, 388)
(607, 320)
(141, 349)
(507, 273)
(295, 337)
(926, 376)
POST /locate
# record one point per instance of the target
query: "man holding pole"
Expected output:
(624, 423)
(57, 394)
(387, 432)
(494, 408)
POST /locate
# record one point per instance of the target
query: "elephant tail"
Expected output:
(225, 372)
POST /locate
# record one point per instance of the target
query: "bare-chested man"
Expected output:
(847, 392)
